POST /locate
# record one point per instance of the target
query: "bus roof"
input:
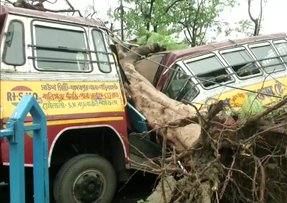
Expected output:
(50, 16)
(171, 56)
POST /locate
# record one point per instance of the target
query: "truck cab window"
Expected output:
(101, 52)
(58, 49)
(180, 86)
(268, 58)
(282, 49)
(14, 52)
(209, 71)
(241, 62)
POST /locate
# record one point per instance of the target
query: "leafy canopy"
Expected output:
(188, 18)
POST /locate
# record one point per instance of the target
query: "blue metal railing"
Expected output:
(14, 133)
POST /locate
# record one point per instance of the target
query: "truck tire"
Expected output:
(85, 178)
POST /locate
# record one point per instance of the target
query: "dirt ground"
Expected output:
(137, 188)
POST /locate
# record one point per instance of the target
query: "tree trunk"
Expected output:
(171, 119)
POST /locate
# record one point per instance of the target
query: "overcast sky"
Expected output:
(274, 13)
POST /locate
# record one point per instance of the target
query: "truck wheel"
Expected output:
(85, 178)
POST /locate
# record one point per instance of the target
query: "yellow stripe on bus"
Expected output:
(84, 120)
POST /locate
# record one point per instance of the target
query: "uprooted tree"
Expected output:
(210, 156)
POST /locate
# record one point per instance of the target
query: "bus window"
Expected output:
(177, 82)
(181, 86)
(101, 51)
(189, 92)
(268, 58)
(58, 49)
(241, 62)
(209, 71)
(282, 49)
(14, 51)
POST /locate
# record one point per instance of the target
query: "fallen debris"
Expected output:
(212, 155)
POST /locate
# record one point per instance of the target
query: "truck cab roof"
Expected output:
(5, 10)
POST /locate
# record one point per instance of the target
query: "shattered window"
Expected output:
(209, 71)
(189, 91)
(241, 62)
(181, 87)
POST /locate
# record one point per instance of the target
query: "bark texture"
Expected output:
(171, 119)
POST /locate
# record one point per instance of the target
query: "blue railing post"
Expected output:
(16, 159)
(40, 155)
(15, 134)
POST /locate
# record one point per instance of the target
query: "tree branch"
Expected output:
(266, 112)
(38, 5)
(256, 21)
(171, 5)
